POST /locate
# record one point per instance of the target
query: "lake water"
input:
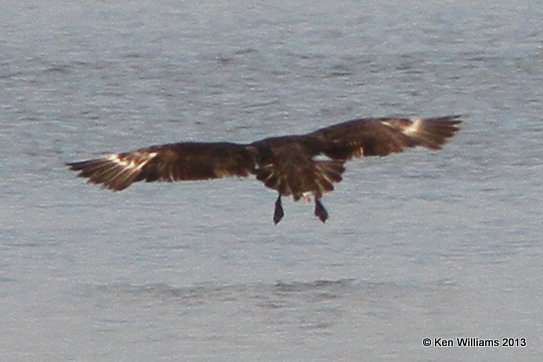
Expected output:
(419, 245)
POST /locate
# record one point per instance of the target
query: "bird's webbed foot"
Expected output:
(278, 213)
(320, 211)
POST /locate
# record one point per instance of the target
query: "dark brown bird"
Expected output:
(298, 165)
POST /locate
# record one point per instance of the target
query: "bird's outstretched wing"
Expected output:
(382, 136)
(170, 162)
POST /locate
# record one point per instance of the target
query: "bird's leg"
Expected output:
(278, 213)
(320, 211)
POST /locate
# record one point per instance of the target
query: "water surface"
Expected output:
(423, 244)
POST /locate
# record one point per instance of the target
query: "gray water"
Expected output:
(421, 244)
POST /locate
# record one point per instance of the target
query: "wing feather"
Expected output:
(170, 162)
(382, 136)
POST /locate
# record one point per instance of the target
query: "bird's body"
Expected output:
(293, 165)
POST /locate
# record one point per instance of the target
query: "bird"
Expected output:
(301, 165)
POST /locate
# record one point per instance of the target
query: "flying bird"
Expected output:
(301, 166)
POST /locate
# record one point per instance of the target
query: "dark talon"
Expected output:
(320, 211)
(278, 213)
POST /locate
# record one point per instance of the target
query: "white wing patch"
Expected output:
(132, 163)
(321, 157)
(413, 128)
